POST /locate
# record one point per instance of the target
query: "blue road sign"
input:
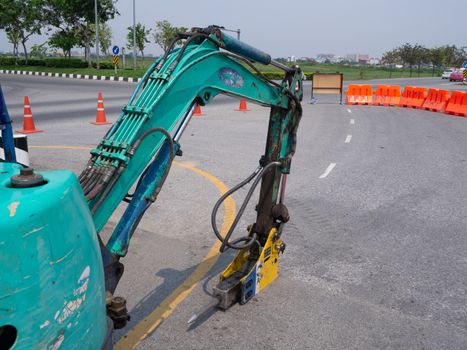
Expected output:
(115, 50)
(465, 64)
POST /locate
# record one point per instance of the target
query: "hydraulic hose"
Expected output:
(257, 175)
(135, 147)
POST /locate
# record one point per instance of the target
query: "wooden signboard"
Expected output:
(327, 83)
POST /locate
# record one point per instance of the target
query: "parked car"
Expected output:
(447, 73)
(456, 76)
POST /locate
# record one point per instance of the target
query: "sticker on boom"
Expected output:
(230, 77)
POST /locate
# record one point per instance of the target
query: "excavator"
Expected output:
(58, 276)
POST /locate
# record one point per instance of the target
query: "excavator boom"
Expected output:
(70, 282)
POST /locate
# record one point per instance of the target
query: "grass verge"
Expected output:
(350, 72)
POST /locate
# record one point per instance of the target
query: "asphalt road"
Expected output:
(75, 98)
(376, 246)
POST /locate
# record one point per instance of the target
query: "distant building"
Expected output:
(352, 58)
(363, 59)
(337, 59)
(291, 59)
(374, 61)
(324, 57)
(358, 58)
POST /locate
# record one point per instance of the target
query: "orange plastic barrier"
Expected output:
(387, 95)
(436, 100)
(413, 97)
(457, 104)
(359, 95)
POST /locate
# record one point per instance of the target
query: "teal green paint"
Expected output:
(52, 284)
(52, 280)
(163, 102)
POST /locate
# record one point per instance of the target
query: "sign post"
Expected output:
(116, 50)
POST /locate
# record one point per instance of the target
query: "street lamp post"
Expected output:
(97, 34)
(233, 31)
(134, 36)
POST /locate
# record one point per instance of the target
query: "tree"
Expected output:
(412, 55)
(422, 55)
(105, 37)
(164, 34)
(141, 38)
(77, 16)
(64, 40)
(13, 37)
(436, 57)
(39, 51)
(391, 58)
(23, 18)
(454, 56)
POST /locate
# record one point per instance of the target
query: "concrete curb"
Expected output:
(72, 76)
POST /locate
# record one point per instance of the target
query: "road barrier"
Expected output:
(387, 95)
(457, 104)
(28, 122)
(436, 100)
(413, 97)
(359, 95)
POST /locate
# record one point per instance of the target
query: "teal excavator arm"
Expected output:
(148, 131)
(58, 276)
(165, 99)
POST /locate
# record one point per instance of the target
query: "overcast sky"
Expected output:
(305, 27)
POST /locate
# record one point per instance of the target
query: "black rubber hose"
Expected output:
(104, 179)
(215, 209)
(179, 36)
(108, 188)
(258, 173)
(92, 182)
(185, 45)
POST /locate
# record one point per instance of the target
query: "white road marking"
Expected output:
(348, 138)
(352, 121)
(328, 170)
(348, 110)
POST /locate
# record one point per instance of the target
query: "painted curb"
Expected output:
(72, 76)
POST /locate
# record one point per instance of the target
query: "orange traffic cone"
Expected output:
(198, 111)
(28, 122)
(242, 107)
(100, 113)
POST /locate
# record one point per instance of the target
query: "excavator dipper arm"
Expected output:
(147, 134)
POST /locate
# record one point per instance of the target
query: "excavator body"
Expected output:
(58, 277)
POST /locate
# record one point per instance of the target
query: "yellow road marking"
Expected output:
(63, 147)
(147, 325)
